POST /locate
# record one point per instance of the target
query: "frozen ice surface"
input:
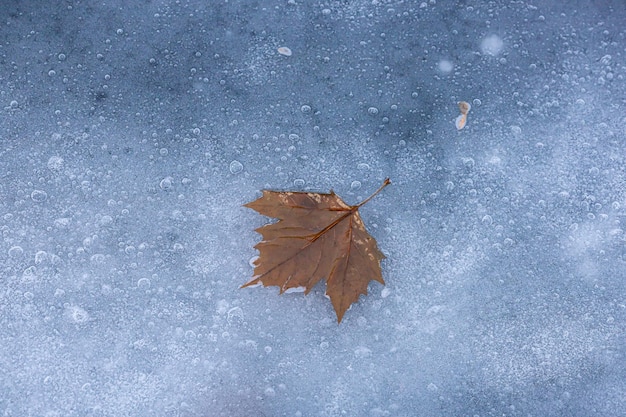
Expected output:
(131, 133)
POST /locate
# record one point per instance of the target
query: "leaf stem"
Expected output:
(385, 183)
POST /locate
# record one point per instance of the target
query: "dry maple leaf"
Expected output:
(317, 236)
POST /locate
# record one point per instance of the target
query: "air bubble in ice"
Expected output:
(491, 45)
(362, 352)
(78, 314)
(55, 163)
(39, 196)
(235, 167)
(15, 251)
(166, 183)
(143, 283)
(445, 66)
(235, 315)
(40, 257)
(29, 274)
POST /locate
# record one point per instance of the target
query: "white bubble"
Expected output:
(29, 274)
(355, 185)
(362, 352)
(372, 110)
(305, 109)
(143, 283)
(39, 196)
(234, 315)
(55, 163)
(235, 167)
(77, 314)
(445, 66)
(61, 57)
(105, 220)
(40, 257)
(166, 183)
(491, 45)
(298, 182)
(97, 259)
(15, 251)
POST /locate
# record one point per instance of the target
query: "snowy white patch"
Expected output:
(491, 45)
(295, 289)
(445, 66)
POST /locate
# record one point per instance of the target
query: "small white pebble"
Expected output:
(283, 50)
(460, 121)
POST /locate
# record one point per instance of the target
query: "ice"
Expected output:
(131, 134)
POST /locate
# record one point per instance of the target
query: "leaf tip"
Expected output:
(253, 283)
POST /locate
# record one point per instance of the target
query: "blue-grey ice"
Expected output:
(131, 133)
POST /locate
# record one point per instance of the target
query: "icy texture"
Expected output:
(132, 132)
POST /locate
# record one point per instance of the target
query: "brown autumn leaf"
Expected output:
(317, 236)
